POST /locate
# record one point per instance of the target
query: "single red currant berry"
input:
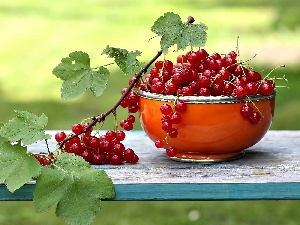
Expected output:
(166, 109)
(128, 155)
(166, 126)
(76, 148)
(116, 160)
(175, 118)
(232, 54)
(97, 159)
(127, 125)
(168, 65)
(93, 142)
(255, 117)
(133, 98)
(110, 135)
(89, 131)
(159, 65)
(204, 92)
(239, 92)
(125, 102)
(246, 111)
(120, 135)
(119, 149)
(171, 151)
(133, 108)
(173, 133)
(180, 106)
(159, 143)
(131, 118)
(134, 159)
(181, 59)
(87, 155)
(77, 128)
(60, 136)
(105, 146)
(267, 87)
(251, 88)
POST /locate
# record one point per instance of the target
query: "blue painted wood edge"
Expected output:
(184, 192)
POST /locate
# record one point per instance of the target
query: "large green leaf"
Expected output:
(17, 167)
(25, 127)
(173, 31)
(74, 187)
(78, 76)
(126, 60)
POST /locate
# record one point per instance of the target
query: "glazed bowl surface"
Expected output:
(211, 129)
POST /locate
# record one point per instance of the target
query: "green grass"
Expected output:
(36, 35)
(168, 213)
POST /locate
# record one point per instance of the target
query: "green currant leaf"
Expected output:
(126, 60)
(25, 127)
(74, 187)
(192, 35)
(17, 166)
(78, 76)
(173, 31)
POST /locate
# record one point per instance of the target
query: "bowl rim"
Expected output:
(204, 99)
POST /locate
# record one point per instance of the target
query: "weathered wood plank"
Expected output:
(269, 170)
(180, 191)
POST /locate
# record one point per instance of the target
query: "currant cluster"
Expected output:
(197, 73)
(170, 116)
(131, 102)
(250, 114)
(45, 159)
(106, 149)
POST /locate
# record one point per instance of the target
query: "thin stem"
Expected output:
(48, 149)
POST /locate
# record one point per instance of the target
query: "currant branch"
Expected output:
(137, 76)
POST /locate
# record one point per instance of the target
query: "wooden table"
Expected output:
(269, 170)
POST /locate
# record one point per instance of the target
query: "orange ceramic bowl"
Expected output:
(212, 128)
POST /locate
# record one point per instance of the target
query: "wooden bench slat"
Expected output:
(269, 170)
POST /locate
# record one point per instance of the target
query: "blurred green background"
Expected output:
(36, 35)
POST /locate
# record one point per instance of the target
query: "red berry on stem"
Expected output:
(168, 65)
(76, 148)
(60, 136)
(116, 160)
(171, 151)
(134, 159)
(173, 133)
(255, 117)
(87, 155)
(180, 106)
(97, 159)
(89, 131)
(239, 91)
(120, 135)
(246, 111)
(128, 155)
(159, 64)
(175, 118)
(77, 128)
(251, 88)
(166, 126)
(267, 87)
(131, 118)
(166, 109)
(110, 135)
(119, 149)
(159, 143)
(133, 108)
